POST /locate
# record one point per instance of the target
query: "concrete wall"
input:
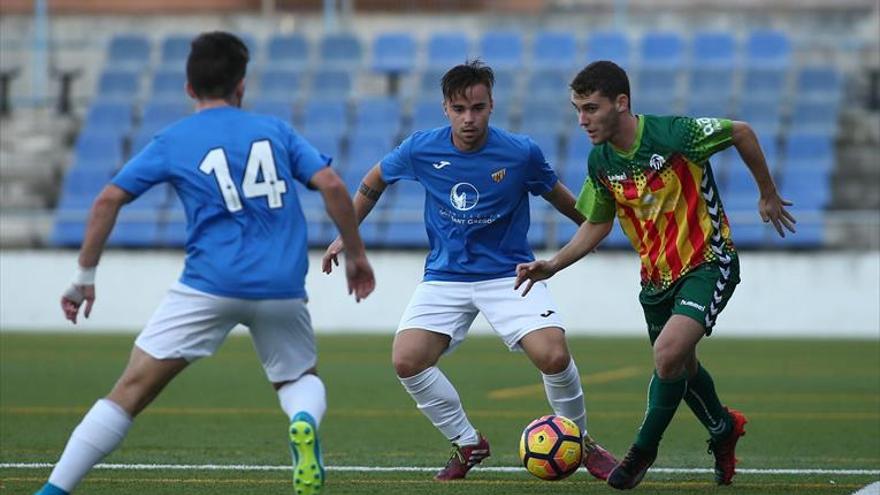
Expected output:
(782, 294)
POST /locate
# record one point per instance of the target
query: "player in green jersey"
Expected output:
(653, 173)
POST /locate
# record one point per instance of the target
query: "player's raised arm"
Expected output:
(771, 206)
(563, 200)
(365, 199)
(360, 277)
(102, 218)
(585, 240)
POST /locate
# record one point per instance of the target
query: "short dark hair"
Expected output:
(461, 77)
(603, 76)
(217, 62)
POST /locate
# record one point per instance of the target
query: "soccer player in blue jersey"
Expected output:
(246, 260)
(477, 180)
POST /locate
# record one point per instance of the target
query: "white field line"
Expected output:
(400, 469)
(872, 489)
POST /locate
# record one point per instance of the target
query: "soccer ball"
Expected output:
(550, 447)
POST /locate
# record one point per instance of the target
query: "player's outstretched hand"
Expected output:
(531, 273)
(73, 298)
(359, 273)
(331, 256)
(772, 209)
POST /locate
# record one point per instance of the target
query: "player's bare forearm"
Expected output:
(585, 240)
(341, 211)
(563, 200)
(748, 147)
(369, 191)
(102, 218)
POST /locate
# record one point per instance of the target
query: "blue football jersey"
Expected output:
(234, 172)
(476, 203)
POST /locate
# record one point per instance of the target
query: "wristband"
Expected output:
(85, 276)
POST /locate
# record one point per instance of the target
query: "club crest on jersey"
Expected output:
(657, 161)
(464, 196)
(498, 175)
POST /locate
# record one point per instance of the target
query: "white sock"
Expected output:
(565, 395)
(306, 394)
(99, 433)
(437, 399)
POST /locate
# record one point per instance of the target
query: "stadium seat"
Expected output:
(280, 84)
(502, 50)
(654, 105)
(763, 114)
(288, 52)
(819, 116)
(765, 83)
(326, 144)
(549, 144)
(555, 51)
(328, 116)
(340, 51)
(819, 83)
(331, 83)
(543, 116)
(706, 107)
(548, 84)
(394, 53)
(405, 225)
(768, 49)
(168, 84)
(807, 150)
(158, 114)
(364, 151)
(505, 87)
(427, 113)
(378, 115)
(662, 51)
(714, 49)
(276, 107)
(577, 152)
(68, 231)
(135, 228)
(748, 234)
(128, 51)
(98, 149)
(140, 139)
(428, 84)
(609, 45)
(118, 85)
(109, 116)
(446, 50)
(807, 188)
(174, 51)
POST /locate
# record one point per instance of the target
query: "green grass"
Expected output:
(810, 403)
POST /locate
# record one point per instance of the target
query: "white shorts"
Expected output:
(191, 324)
(450, 308)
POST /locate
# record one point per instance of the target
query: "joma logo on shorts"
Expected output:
(693, 305)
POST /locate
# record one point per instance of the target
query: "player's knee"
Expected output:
(668, 363)
(407, 365)
(554, 361)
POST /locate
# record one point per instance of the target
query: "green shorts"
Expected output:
(700, 294)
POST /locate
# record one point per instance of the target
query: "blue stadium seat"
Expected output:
(331, 83)
(749, 234)
(577, 151)
(128, 51)
(505, 85)
(109, 116)
(405, 225)
(819, 83)
(68, 229)
(574, 175)
(502, 50)
(136, 228)
(765, 83)
(428, 85)
(810, 232)
(715, 49)
(501, 113)
(394, 53)
(544, 116)
(140, 139)
(768, 49)
(280, 107)
(662, 50)
(81, 186)
(427, 113)
(328, 116)
(556, 51)
(326, 144)
(158, 114)
(807, 187)
(98, 150)
(379, 115)
(808, 150)
(169, 85)
(121, 85)
(609, 45)
(707, 107)
(446, 50)
(654, 83)
(174, 51)
(341, 51)
(289, 51)
(654, 105)
(280, 84)
(172, 232)
(763, 114)
(549, 84)
(819, 116)
(540, 215)
(364, 151)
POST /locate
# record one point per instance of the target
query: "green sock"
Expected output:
(703, 401)
(664, 396)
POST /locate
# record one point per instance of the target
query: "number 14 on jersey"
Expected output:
(260, 163)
